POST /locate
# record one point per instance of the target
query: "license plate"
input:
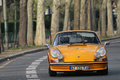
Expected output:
(79, 67)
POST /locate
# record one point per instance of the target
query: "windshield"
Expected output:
(76, 38)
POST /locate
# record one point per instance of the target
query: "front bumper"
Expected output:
(93, 66)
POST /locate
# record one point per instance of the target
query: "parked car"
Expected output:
(77, 51)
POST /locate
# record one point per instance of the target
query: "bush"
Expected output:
(10, 26)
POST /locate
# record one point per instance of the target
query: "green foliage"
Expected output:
(10, 26)
(72, 14)
(35, 9)
(48, 3)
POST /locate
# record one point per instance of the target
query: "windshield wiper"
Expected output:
(76, 43)
(83, 41)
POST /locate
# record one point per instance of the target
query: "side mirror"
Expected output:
(47, 45)
(106, 43)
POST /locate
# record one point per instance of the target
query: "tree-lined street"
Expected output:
(22, 68)
(30, 24)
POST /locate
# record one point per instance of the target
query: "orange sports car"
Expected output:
(77, 51)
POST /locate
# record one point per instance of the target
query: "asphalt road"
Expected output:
(35, 67)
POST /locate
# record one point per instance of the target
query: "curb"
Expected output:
(22, 53)
(110, 38)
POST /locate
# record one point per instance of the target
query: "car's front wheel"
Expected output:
(52, 73)
(103, 72)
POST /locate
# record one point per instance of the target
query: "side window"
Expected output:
(56, 40)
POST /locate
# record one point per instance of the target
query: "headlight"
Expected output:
(56, 54)
(100, 53)
(97, 55)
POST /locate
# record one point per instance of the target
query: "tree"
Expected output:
(15, 23)
(110, 18)
(30, 22)
(77, 14)
(55, 24)
(5, 23)
(23, 23)
(103, 16)
(1, 42)
(67, 15)
(40, 29)
(118, 17)
(0, 32)
(93, 16)
(83, 15)
(100, 16)
(89, 15)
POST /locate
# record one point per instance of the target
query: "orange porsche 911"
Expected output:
(77, 51)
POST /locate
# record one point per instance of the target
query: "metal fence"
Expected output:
(14, 42)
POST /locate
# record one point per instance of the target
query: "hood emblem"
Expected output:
(78, 56)
(77, 48)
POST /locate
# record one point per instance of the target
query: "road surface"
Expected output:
(35, 67)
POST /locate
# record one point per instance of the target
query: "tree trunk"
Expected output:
(100, 17)
(30, 22)
(55, 24)
(99, 28)
(23, 23)
(67, 14)
(93, 12)
(103, 21)
(0, 32)
(69, 23)
(77, 14)
(110, 18)
(40, 29)
(89, 15)
(118, 17)
(5, 23)
(83, 15)
(15, 23)
(1, 41)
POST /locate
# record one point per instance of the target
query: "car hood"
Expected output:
(76, 53)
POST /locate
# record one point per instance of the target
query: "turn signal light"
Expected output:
(105, 59)
(54, 61)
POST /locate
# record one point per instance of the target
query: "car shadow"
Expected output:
(74, 74)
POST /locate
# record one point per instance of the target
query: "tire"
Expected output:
(103, 72)
(52, 73)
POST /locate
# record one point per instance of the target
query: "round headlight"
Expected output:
(56, 54)
(97, 54)
(60, 56)
(102, 52)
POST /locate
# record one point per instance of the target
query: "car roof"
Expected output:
(76, 31)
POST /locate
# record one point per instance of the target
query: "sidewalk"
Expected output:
(10, 54)
(107, 39)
